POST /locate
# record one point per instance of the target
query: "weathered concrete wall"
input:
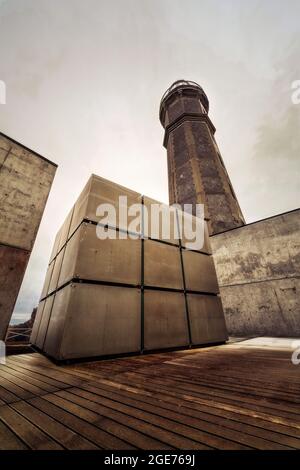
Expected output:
(25, 182)
(13, 262)
(258, 269)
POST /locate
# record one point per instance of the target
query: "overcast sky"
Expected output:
(84, 80)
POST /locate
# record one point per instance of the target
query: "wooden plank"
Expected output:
(285, 412)
(103, 436)
(31, 435)
(221, 397)
(56, 374)
(270, 399)
(46, 387)
(6, 396)
(45, 364)
(260, 387)
(236, 432)
(278, 364)
(33, 389)
(14, 389)
(218, 388)
(244, 423)
(205, 385)
(96, 413)
(228, 384)
(43, 378)
(8, 440)
(60, 433)
(143, 422)
(239, 408)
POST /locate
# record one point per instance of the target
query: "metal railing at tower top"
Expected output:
(183, 85)
(178, 84)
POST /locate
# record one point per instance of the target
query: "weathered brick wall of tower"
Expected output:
(196, 170)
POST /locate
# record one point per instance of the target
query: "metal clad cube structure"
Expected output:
(44, 321)
(208, 327)
(110, 260)
(162, 265)
(100, 191)
(165, 320)
(199, 271)
(132, 292)
(99, 320)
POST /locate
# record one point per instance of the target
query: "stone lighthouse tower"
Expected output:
(195, 167)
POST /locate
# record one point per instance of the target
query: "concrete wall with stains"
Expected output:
(258, 269)
(25, 182)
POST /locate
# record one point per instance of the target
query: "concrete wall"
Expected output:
(25, 182)
(258, 269)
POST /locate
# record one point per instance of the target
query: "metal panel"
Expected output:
(97, 321)
(40, 338)
(189, 227)
(80, 208)
(56, 271)
(109, 260)
(68, 269)
(206, 319)
(162, 265)
(199, 271)
(55, 245)
(46, 285)
(13, 263)
(164, 320)
(37, 321)
(154, 225)
(25, 182)
(65, 230)
(57, 321)
(104, 191)
(100, 191)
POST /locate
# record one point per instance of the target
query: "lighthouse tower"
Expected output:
(196, 171)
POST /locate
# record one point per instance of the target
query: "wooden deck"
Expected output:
(226, 397)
